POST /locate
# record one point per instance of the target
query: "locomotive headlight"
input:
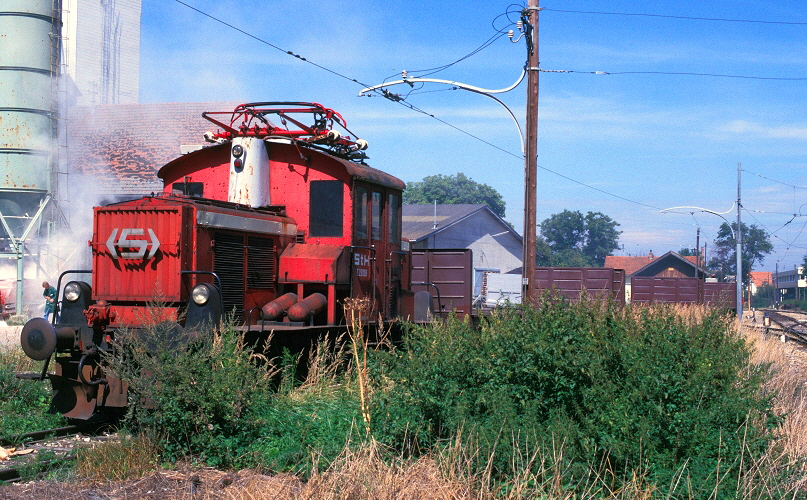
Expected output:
(238, 150)
(200, 294)
(72, 291)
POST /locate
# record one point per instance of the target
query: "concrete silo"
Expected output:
(30, 36)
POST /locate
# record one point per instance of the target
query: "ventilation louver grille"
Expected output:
(229, 266)
(260, 263)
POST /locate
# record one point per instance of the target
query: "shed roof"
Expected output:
(690, 260)
(634, 264)
(420, 220)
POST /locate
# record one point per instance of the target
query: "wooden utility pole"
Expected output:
(528, 286)
(738, 280)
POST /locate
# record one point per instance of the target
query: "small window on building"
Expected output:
(195, 189)
(377, 216)
(360, 213)
(394, 222)
(325, 207)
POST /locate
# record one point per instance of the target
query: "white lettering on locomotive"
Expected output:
(138, 248)
(361, 259)
(362, 264)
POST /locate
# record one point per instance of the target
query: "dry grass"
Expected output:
(15, 360)
(788, 362)
(118, 459)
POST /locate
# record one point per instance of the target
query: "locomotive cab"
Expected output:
(347, 214)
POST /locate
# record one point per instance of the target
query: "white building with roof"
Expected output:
(495, 246)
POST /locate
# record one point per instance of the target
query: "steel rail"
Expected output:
(12, 474)
(38, 436)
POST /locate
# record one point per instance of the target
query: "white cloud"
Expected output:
(754, 130)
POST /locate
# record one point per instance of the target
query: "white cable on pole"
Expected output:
(463, 86)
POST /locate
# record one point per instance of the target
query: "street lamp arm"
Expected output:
(464, 86)
(701, 209)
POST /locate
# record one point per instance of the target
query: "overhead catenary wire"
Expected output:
(676, 73)
(774, 180)
(414, 108)
(680, 17)
(789, 244)
(500, 32)
(487, 43)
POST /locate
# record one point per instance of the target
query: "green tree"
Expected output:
(579, 240)
(602, 237)
(755, 246)
(764, 296)
(453, 189)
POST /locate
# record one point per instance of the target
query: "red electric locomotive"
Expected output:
(275, 221)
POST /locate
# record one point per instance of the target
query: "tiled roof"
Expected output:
(761, 277)
(419, 221)
(120, 147)
(630, 264)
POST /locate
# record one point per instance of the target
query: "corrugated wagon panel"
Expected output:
(136, 252)
(720, 294)
(570, 282)
(450, 272)
(665, 290)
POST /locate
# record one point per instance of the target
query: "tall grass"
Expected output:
(23, 403)
(663, 394)
(214, 400)
(581, 400)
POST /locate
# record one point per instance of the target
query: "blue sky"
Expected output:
(631, 144)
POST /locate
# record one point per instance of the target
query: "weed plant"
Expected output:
(17, 319)
(128, 456)
(566, 392)
(213, 399)
(23, 403)
(585, 400)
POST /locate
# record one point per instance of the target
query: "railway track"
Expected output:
(792, 325)
(36, 441)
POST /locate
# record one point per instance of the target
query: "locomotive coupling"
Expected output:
(100, 314)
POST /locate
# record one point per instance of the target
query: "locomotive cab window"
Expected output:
(326, 200)
(188, 188)
(377, 215)
(360, 213)
(394, 223)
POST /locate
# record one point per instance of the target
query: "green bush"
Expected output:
(213, 399)
(656, 390)
(17, 319)
(23, 403)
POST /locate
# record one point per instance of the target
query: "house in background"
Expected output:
(760, 278)
(496, 247)
(669, 265)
